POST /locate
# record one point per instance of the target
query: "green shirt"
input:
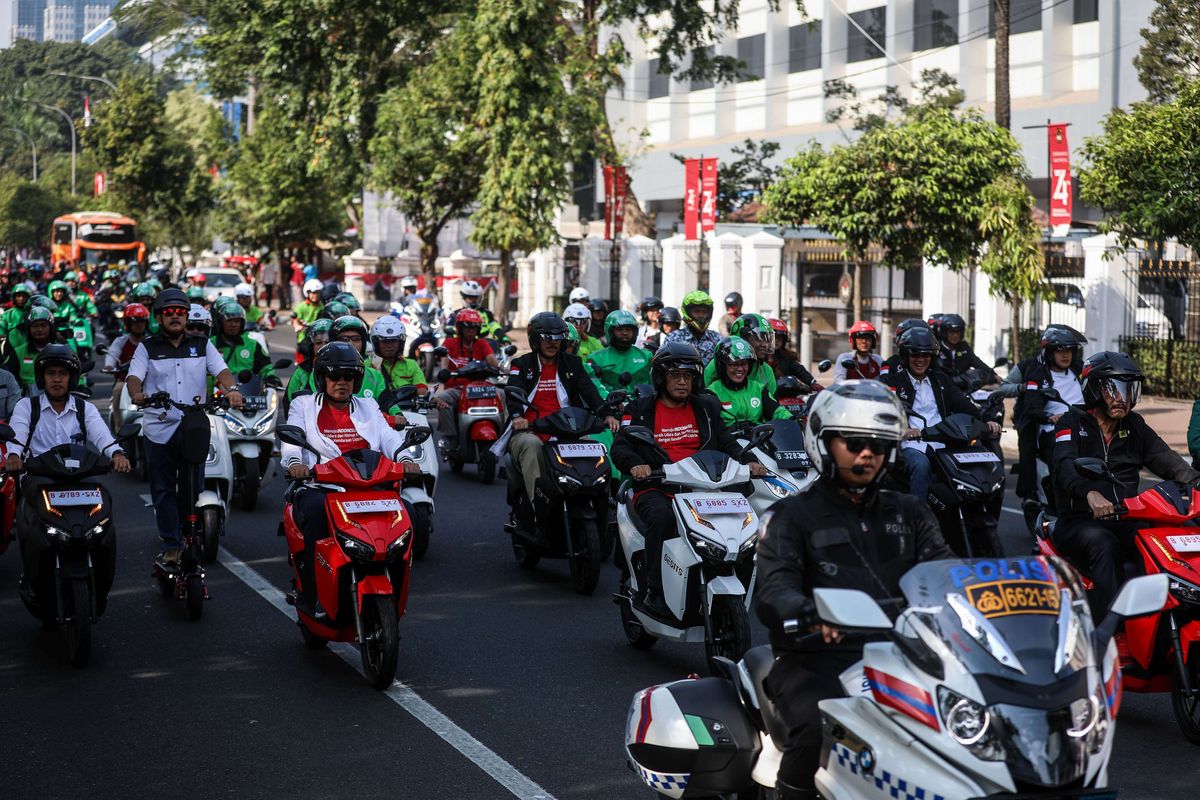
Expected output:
(589, 345)
(746, 404)
(83, 304)
(402, 372)
(762, 373)
(302, 381)
(254, 314)
(307, 313)
(607, 365)
(244, 354)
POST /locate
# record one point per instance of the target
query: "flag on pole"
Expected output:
(1060, 180)
(99, 184)
(87, 111)
(691, 199)
(708, 194)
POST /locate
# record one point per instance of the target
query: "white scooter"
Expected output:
(418, 493)
(789, 469)
(214, 500)
(251, 434)
(708, 570)
(992, 683)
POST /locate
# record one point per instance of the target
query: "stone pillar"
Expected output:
(762, 265)
(806, 344)
(526, 281)
(637, 269)
(594, 266)
(360, 276)
(1109, 291)
(681, 268)
(944, 291)
(725, 270)
(993, 318)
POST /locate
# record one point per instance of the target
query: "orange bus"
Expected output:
(89, 237)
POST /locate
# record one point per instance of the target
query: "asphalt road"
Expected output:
(533, 680)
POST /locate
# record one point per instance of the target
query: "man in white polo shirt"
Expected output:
(179, 363)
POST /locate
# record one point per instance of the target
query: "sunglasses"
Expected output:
(681, 375)
(199, 327)
(856, 444)
(174, 311)
(338, 376)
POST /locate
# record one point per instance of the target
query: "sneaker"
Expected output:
(654, 605)
(1031, 509)
(170, 555)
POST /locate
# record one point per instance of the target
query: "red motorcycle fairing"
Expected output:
(484, 430)
(377, 519)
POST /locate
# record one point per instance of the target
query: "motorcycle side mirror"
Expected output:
(1002, 361)
(245, 376)
(640, 433)
(272, 314)
(1094, 468)
(443, 375)
(760, 435)
(518, 394)
(128, 431)
(6, 433)
(88, 366)
(102, 349)
(510, 350)
(847, 363)
(440, 352)
(616, 398)
(283, 363)
(850, 609)
(1145, 594)
(624, 379)
(294, 435)
(416, 435)
(825, 365)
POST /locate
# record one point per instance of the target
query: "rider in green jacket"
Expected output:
(13, 320)
(318, 337)
(607, 365)
(757, 332)
(743, 399)
(235, 346)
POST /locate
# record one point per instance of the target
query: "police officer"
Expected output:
(841, 532)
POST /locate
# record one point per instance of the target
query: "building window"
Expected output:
(804, 46)
(660, 82)
(699, 84)
(752, 51)
(874, 22)
(935, 24)
(1086, 11)
(1024, 16)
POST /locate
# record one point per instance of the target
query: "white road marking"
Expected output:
(477, 753)
(1014, 510)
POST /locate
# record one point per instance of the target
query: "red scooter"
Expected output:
(1161, 652)
(362, 570)
(8, 504)
(481, 414)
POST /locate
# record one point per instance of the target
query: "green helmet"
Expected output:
(143, 290)
(56, 285)
(729, 350)
(348, 300)
(319, 326)
(699, 297)
(71, 276)
(335, 310)
(755, 329)
(232, 310)
(39, 314)
(349, 322)
(573, 340)
(42, 301)
(154, 284)
(617, 319)
(25, 288)
(195, 293)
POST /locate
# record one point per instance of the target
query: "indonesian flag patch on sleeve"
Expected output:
(1062, 436)
(625, 420)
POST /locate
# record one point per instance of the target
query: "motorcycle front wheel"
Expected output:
(78, 630)
(1187, 709)
(730, 630)
(422, 521)
(194, 602)
(380, 647)
(250, 483)
(213, 523)
(585, 566)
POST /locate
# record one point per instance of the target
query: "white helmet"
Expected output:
(313, 285)
(577, 311)
(852, 408)
(579, 295)
(191, 273)
(243, 290)
(409, 282)
(198, 314)
(387, 327)
(470, 289)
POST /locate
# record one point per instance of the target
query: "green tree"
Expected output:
(525, 110)
(425, 152)
(26, 211)
(1170, 54)
(1144, 169)
(1012, 257)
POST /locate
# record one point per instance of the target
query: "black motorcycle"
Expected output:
(68, 540)
(569, 517)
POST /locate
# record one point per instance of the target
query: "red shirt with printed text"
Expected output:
(337, 425)
(676, 430)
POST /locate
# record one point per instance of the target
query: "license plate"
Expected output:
(1187, 543)
(79, 497)
(80, 335)
(723, 505)
(793, 455)
(477, 392)
(380, 506)
(255, 403)
(580, 450)
(976, 458)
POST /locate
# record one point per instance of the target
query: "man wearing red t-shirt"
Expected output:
(684, 422)
(551, 379)
(460, 351)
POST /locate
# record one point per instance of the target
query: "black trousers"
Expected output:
(658, 513)
(1032, 444)
(1098, 548)
(796, 683)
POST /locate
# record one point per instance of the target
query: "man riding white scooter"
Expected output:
(685, 420)
(841, 532)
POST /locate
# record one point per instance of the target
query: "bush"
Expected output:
(1172, 367)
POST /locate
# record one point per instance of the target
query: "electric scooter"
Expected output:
(363, 569)
(481, 414)
(251, 434)
(417, 491)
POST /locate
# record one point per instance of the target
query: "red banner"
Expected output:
(99, 184)
(691, 199)
(608, 201)
(1060, 180)
(620, 187)
(708, 194)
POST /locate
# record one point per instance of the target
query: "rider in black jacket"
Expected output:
(841, 532)
(1106, 428)
(956, 356)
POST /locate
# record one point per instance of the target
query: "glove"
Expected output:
(797, 615)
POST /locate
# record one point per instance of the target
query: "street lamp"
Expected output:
(95, 78)
(71, 122)
(32, 146)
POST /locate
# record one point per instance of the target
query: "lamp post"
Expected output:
(95, 78)
(70, 122)
(32, 146)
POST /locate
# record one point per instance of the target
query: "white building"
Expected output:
(71, 20)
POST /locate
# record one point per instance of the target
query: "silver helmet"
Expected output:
(851, 408)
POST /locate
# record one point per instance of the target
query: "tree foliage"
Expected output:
(1144, 170)
(26, 211)
(1170, 54)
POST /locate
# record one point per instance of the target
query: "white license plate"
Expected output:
(723, 505)
(254, 403)
(371, 506)
(81, 497)
(976, 458)
(1187, 543)
(793, 455)
(580, 450)
(80, 335)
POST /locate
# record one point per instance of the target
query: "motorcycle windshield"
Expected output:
(1020, 620)
(788, 441)
(568, 423)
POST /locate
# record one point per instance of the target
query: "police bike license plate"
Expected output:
(721, 505)
(793, 455)
(976, 458)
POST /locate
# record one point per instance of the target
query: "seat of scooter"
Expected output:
(758, 661)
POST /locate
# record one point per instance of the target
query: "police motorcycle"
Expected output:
(707, 570)
(992, 682)
(417, 491)
(569, 517)
(68, 540)
(423, 327)
(250, 436)
(789, 468)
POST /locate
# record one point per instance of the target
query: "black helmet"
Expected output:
(56, 355)
(674, 355)
(1099, 368)
(733, 299)
(915, 341)
(670, 316)
(1058, 336)
(330, 290)
(596, 304)
(337, 357)
(171, 298)
(950, 322)
(651, 303)
(546, 326)
(907, 325)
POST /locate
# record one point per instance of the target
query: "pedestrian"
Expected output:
(297, 281)
(269, 277)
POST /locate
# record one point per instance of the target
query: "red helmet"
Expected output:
(137, 311)
(863, 328)
(199, 279)
(468, 316)
(778, 325)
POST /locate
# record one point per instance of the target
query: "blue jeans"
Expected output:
(167, 470)
(919, 469)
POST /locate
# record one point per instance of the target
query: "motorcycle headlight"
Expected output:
(1099, 727)
(98, 530)
(748, 544)
(967, 490)
(396, 548)
(1184, 592)
(265, 425)
(57, 535)
(707, 549)
(567, 482)
(1085, 713)
(354, 548)
(234, 426)
(779, 487)
(970, 724)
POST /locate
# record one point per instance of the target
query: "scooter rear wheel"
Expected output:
(194, 602)
(213, 523)
(380, 648)
(1187, 709)
(487, 467)
(78, 630)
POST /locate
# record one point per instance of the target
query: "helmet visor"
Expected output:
(762, 341)
(1118, 390)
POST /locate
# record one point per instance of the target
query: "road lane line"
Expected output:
(476, 752)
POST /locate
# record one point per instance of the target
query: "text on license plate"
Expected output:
(481, 391)
(379, 506)
(976, 458)
(580, 450)
(722, 505)
(793, 455)
(75, 497)
(1187, 543)
(254, 403)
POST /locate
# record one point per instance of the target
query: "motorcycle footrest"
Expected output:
(290, 598)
